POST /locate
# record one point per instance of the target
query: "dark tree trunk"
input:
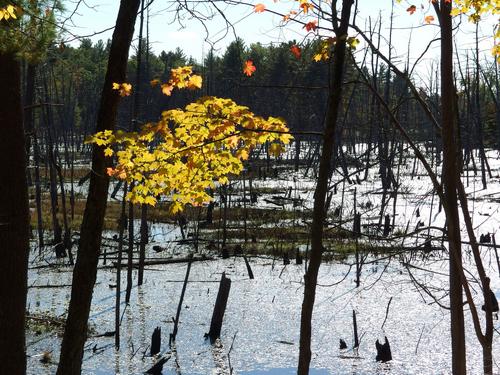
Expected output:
(14, 220)
(38, 191)
(311, 275)
(143, 242)
(219, 308)
(29, 99)
(121, 230)
(130, 249)
(84, 274)
(451, 171)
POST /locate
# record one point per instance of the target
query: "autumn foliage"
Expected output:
(191, 150)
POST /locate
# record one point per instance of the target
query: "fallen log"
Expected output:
(163, 261)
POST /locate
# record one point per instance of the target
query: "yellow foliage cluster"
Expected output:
(9, 12)
(324, 51)
(124, 89)
(189, 150)
(475, 8)
(180, 78)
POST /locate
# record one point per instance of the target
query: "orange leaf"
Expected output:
(249, 68)
(310, 26)
(412, 9)
(167, 89)
(259, 8)
(429, 19)
(295, 50)
(306, 6)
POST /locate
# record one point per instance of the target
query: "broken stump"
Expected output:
(383, 351)
(219, 308)
(155, 341)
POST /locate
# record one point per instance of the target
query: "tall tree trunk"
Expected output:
(84, 274)
(38, 191)
(335, 96)
(14, 220)
(451, 171)
(29, 99)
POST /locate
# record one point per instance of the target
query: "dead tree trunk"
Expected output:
(451, 168)
(121, 229)
(335, 96)
(84, 273)
(179, 306)
(219, 309)
(14, 220)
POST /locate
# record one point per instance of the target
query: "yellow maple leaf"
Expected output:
(11, 11)
(194, 82)
(150, 200)
(108, 151)
(167, 89)
(124, 89)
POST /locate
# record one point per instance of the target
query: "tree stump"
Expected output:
(155, 341)
(387, 225)
(357, 225)
(383, 351)
(219, 309)
(298, 257)
(286, 259)
(342, 345)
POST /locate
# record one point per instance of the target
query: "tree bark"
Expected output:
(487, 360)
(84, 274)
(14, 220)
(451, 172)
(311, 276)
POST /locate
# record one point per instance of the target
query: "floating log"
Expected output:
(219, 308)
(167, 261)
(158, 248)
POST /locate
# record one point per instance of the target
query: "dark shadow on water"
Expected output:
(283, 371)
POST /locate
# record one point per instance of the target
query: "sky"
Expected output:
(169, 29)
